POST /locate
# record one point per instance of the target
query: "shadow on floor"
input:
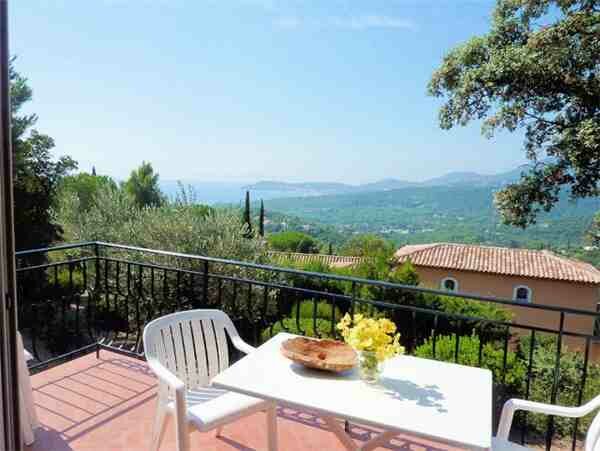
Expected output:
(357, 432)
(49, 439)
(87, 399)
(235, 445)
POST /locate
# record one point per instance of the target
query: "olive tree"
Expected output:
(138, 293)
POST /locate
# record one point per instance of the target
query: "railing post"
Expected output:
(505, 353)
(584, 372)
(414, 339)
(528, 384)
(554, 396)
(205, 282)
(97, 267)
(434, 336)
(353, 299)
(96, 288)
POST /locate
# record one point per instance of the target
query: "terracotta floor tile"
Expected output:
(108, 404)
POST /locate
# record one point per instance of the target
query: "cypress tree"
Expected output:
(261, 222)
(247, 215)
(330, 249)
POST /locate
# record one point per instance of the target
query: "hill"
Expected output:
(222, 192)
(450, 179)
(316, 187)
(439, 213)
(476, 179)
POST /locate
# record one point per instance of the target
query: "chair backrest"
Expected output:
(191, 344)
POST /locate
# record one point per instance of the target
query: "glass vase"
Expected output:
(369, 366)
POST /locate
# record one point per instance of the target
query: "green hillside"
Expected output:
(426, 214)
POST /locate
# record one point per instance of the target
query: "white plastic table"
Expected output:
(435, 400)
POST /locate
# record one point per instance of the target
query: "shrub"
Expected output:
(305, 315)
(70, 282)
(492, 358)
(319, 284)
(323, 310)
(60, 334)
(368, 245)
(293, 241)
(414, 330)
(474, 309)
(290, 325)
(569, 385)
(513, 382)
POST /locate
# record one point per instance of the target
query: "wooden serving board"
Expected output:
(328, 355)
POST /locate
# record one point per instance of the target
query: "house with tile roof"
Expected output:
(520, 275)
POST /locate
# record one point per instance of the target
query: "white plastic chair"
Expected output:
(186, 350)
(592, 438)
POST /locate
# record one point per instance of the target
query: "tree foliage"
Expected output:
(593, 233)
(37, 174)
(537, 69)
(180, 225)
(261, 219)
(293, 242)
(248, 215)
(85, 186)
(458, 214)
(142, 186)
(177, 226)
(368, 245)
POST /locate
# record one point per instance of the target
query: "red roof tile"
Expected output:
(335, 261)
(499, 260)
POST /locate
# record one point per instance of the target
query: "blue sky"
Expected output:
(252, 89)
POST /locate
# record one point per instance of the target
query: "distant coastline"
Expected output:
(233, 192)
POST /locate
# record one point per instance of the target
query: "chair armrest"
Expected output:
(241, 345)
(28, 355)
(512, 405)
(167, 377)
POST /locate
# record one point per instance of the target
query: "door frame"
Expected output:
(9, 396)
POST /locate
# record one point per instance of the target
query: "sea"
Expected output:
(226, 193)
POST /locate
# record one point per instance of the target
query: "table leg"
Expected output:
(350, 444)
(338, 430)
(272, 427)
(380, 440)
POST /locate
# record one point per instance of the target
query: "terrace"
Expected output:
(83, 308)
(109, 404)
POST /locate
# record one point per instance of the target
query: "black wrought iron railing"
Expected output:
(85, 297)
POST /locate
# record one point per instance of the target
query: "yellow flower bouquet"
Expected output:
(375, 339)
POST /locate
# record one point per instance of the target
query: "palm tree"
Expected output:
(142, 186)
